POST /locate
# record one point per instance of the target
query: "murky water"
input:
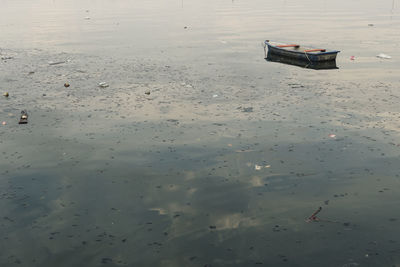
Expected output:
(225, 159)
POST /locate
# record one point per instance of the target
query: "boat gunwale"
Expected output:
(301, 52)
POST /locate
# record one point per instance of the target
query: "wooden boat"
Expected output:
(316, 65)
(299, 52)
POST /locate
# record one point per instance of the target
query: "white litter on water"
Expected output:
(58, 62)
(257, 167)
(103, 84)
(381, 55)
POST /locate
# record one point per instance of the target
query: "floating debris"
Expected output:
(6, 57)
(352, 58)
(24, 117)
(66, 84)
(8, 219)
(313, 217)
(147, 92)
(3, 123)
(51, 63)
(259, 167)
(247, 110)
(332, 135)
(383, 56)
(244, 150)
(6, 94)
(103, 84)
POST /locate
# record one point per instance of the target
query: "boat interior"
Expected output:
(298, 48)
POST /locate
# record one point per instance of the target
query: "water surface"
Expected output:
(224, 160)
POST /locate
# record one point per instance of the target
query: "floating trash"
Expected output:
(51, 63)
(352, 58)
(24, 117)
(66, 84)
(313, 217)
(384, 56)
(3, 123)
(332, 135)
(214, 96)
(6, 57)
(103, 84)
(6, 94)
(87, 18)
(259, 167)
(147, 92)
(247, 110)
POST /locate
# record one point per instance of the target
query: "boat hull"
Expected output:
(316, 65)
